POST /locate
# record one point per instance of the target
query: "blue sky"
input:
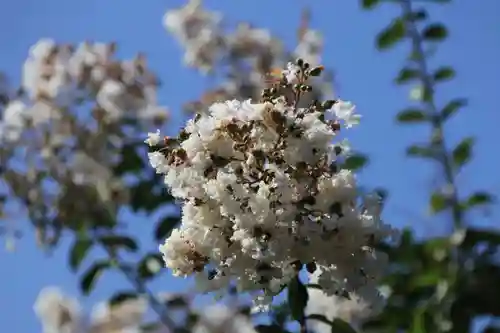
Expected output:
(364, 76)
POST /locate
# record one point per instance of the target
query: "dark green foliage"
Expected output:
(297, 299)
(78, 252)
(443, 281)
(412, 115)
(391, 35)
(122, 296)
(90, 277)
(355, 162)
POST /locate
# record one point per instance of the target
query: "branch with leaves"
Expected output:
(429, 294)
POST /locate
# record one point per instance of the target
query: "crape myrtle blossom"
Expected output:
(264, 195)
(60, 313)
(63, 133)
(244, 54)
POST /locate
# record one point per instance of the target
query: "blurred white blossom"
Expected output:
(198, 31)
(221, 319)
(62, 314)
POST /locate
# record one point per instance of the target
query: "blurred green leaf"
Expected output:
(478, 199)
(418, 321)
(391, 35)
(117, 242)
(463, 152)
(297, 298)
(130, 160)
(435, 32)
(444, 73)
(452, 107)
(438, 202)
(337, 325)
(121, 297)
(426, 279)
(412, 115)
(407, 75)
(370, 4)
(420, 151)
(148, 196)
(78, 252)
(406, 238)
(150, 327)
(90, 277)
(150, 265)
(355, 162)
(165, 226)
(474, 236)
(340, 326)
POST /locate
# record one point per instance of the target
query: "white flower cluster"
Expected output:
(56, 77)
(201, 34)
(198, 31)
(60, 313)
(264, 195)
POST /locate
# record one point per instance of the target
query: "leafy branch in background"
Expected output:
(440, 284)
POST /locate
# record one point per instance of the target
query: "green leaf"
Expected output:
(119, 242)
(78, 252)
(340, 326)
(148, 195)
(90, 277)
(337, 325)
(407, 75)
(444, 73)
(297, 299)
(435, 32)
(418, 321)
(420, 151)
(130, 160)
(123, 296)
(146, 268)
(438, 202)
(406, 238)
(463, 152)
(474, 236)
(165, 226)
(370, 4)
(150, 327)
(355, 162)
(426, 279)
(391, 35)
(478, 199)
(412, 115)
(452, 107)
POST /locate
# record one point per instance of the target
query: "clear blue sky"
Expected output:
(365, 77)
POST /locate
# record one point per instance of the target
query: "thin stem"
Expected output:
(437, 123)
(460, 319)
(141, 288)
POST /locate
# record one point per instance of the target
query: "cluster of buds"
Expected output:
(264, 194)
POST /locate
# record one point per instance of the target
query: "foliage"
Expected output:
(438, 284)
